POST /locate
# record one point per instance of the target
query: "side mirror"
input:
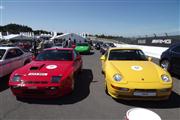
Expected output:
(102, 57)
(73, 46)
(78, 57)
(33, 57)
(149, 58)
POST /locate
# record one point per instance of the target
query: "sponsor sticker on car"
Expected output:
(139, 93)
(38, 74)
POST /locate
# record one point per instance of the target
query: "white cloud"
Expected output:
(1, 7)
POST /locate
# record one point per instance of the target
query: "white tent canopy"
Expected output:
(17, 37)
(70, 36)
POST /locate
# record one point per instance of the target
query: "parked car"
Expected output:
(50, 75)
(83, 48)
(130, 75)
(12, 58)
(170, 59)
(105, 47)
(97, 46)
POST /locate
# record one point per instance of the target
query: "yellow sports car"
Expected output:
(130, 75)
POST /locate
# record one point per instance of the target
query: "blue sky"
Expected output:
(112, 17)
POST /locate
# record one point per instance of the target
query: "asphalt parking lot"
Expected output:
(88, 101)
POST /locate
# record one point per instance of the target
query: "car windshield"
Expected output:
(82, 44)
(127, 55)
(55, 55)
(2, 51)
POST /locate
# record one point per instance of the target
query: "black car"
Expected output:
(170, 59)
(98, 45)
(105, 47)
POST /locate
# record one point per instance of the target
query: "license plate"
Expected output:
(144, 93)
(32, 88)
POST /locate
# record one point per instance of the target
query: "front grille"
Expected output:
(34, 92)
(145, 90)
(36, 82)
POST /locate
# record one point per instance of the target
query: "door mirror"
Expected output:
(102, 57)
(33, 57)
(73, 46)
(149, 58)
(78, 57)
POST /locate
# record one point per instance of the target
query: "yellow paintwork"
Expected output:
(149, 78)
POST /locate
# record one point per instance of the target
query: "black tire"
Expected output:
(19, 98)
(73, 84)
(106, 90)
(80, 69)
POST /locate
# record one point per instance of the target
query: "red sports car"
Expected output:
(50, 75)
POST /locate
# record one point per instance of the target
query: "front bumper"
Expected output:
(127, 93)
(39, 92)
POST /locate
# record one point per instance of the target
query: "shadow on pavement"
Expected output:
(176, 76)
(80, 92)
(173, 102)
(4, 83)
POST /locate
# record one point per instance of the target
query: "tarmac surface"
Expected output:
(88, 102)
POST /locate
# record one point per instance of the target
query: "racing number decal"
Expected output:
(51, 66)
(136, 68)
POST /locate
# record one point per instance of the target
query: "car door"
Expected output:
(175, 59)
(3, 65)
(19, 58)
(10, 60)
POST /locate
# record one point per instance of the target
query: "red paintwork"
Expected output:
(66, 69)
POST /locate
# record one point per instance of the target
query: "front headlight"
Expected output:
(55, 79)
(117, 77)
(165, 78)
(16, 78)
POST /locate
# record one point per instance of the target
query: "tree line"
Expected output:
(13, 28)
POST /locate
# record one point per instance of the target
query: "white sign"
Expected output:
(165, 41)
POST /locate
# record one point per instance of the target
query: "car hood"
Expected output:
(45, 68)
(138, 71)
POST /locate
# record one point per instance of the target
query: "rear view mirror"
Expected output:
(102, 57)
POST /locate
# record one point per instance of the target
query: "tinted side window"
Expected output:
(19, 52)
(2, 52)
(106, 54)
(11, 54)
(176, 49)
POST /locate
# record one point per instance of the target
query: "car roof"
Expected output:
(174, 45)
(58, 48)
(124, 48)
(7, 48)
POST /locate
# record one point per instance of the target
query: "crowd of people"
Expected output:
(35, 46)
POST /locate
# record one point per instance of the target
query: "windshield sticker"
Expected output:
(37, 74)
(136, 68)
(51, 66)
